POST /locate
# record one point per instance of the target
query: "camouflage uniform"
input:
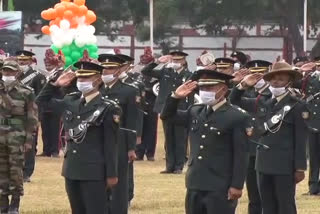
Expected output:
(18, 119)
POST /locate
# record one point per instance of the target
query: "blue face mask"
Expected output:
(85, 87)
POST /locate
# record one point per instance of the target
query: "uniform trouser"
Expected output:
(130, 181)
(50, 125)
(119, 201)
(30, 156)
(207, 202)
(254, 206)
(86, 197)
(149, 136)
(314, 162)
(11, 163)
(277, 193)
(175, 143)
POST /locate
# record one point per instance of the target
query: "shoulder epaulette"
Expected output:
(74, 93)
(131, 85)
(239, 109)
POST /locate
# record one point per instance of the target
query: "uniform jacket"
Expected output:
(218, 144)
(96, 157)
(169, 82)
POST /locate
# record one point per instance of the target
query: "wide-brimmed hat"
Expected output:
(282, 68)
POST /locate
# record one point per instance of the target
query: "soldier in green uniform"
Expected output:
(225, 65)
(126, 96)
(218, 144)
(92, 123)
(284, 131)
(18, 120)
(29, 77)
(173, 72)
(247, 99)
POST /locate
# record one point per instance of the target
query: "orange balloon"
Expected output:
(73, 7)
(60, 10)
(68, 14)
(57, 5)
(73, 23)
(52, 13)
(45, 15)
(80, 2)
(83, 10)
(45, 29)
(90, 17)
(53, 22)
(65, 0)
(64, 3)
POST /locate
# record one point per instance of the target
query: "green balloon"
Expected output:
(73, 47)
(66, 50)
(55, 49)
(93, 48)
(75, 55)
(94, 55)
(68, 61)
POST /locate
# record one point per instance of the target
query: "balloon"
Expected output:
(80, 43)
(90, 17)
(64, 24)
(75, 55)
(55, 49)
(73, 47)
(45, 15)
(57, 5)
(73, 7)
(54, 28)
(92, 48)
(73, 23)
(91, 29)
(66, 50)
(68, 14)
(79, 2)
(65, 0)
(60, 10)
(52, 13)
(83, 10)
(45, 29)
(68, 60)
(94, 55)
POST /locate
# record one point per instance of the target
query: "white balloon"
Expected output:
(91, 29)
(64, 24)
(53, 28)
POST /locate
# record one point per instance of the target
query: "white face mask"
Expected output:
(260, 84)
(276, 92)
(123, 75)
(208, 97)
(174, 65)
(107, 78)
(85, 87)
(199, 68)
(8, 79)
(25, 68)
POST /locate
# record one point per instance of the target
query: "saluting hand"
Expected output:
(251, 80)
(165, 59)
(185, 89)
(239, 75)
(65, 79)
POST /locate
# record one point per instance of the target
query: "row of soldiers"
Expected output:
(97, 153)
(263, 142)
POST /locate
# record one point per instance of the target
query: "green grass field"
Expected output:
(154, 193)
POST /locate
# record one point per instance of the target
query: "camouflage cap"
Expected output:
(10, 64)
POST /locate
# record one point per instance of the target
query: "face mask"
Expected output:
(123, 75)
(85, 87)
(276, 92)
(199, 68)
(107, 78)
(8, 79)
(24, 68)
(236, 66)
(208, 97)
(260, 84)
(173, 65)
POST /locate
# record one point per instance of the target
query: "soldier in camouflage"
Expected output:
(18, 119)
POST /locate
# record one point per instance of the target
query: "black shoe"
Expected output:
(4, 200)
(177, 171)
(167, 171)
(14, 205)
(150, 159)
(26, 179)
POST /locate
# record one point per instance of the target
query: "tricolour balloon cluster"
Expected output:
(70, 29)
